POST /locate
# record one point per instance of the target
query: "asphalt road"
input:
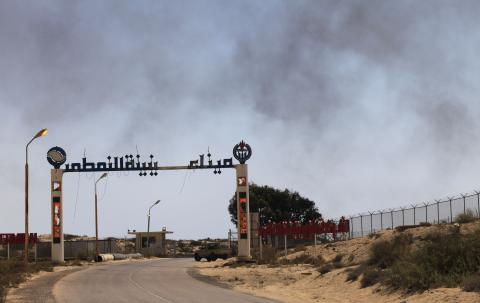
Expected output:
(160, 280)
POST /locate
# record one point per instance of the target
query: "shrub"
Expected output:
(443, 259)
(403, 228)
(384, 253)
(425, 224)
(467, 217)
(353, 274)
(370, 277)
(472, 283)
(325, 269)
(338, 258)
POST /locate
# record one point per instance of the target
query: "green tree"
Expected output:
(277, 205)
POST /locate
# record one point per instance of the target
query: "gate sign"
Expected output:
(57, 221)
(57, 157)
(242, 216)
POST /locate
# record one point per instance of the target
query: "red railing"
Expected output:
(17, 238)
(297, 230)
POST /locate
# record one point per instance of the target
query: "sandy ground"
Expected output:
(38, 286)
(303, 283)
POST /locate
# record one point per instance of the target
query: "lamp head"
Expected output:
(157, 202)
(41, 133)
(103, 175)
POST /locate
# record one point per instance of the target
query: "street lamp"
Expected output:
(148, 228)
(96, 215)
(41, 133)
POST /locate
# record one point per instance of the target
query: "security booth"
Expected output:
(151, 243)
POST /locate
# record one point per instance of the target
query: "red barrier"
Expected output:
(17, 238)
(305, 231)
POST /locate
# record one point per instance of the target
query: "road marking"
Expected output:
(130, 278)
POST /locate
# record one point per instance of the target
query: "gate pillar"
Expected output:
(57, 216)
(243, 213)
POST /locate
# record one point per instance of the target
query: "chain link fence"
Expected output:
(433, 213)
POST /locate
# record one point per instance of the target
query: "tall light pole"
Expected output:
(148, 228)
(41, 133)
(96, 215)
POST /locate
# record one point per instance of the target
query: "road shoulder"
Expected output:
(39, 288)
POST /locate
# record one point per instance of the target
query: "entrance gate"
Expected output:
(57, 157)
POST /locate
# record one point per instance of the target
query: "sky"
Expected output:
(357, 105)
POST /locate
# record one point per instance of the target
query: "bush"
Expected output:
(338, 258)
(443, 259)
(353, 274)
(472, 283)
(370, 277)
(325, 269)
(467, 217)
(384, 253)
(408, 276)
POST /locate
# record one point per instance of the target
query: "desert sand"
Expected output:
(303, 283)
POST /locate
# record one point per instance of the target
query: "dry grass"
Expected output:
(13, 273)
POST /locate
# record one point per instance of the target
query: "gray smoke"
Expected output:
(367, 100)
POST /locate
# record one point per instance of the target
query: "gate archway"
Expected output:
(57, 157)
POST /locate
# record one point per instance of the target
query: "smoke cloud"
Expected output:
(357, 105)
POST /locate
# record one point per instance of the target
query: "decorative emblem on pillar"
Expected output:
(56, 156)
(242, 152)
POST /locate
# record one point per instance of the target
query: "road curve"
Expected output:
(160, 280)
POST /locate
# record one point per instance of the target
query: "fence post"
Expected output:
(464, 209)
(426, 212)
(381, 220)
(35, 252)
(315, 245)
(403, 216)
(350, 227)
(451, 213)
(261, 248)
(8, 250)
(391, 215)
(371, 222)
(285, 237)
(361, 224)
(478, 203)
(414, 213)
(438, 211)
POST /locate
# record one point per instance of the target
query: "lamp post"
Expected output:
(41, 133)
(148, 226)
(96, 215)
